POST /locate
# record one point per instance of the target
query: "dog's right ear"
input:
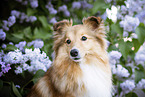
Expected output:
(60, 25)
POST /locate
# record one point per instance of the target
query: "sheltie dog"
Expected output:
(80, 67)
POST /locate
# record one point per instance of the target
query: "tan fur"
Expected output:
(64, 77)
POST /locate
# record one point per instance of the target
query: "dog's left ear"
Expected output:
(93, 22)
(59, 26)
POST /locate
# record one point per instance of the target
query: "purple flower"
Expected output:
(62, 8)
(23, 17)
(5, 25)
(36, 43)
(67, 13)
(85, 5)
(4, 45)
(31, 19)
(21, 45)
(2, 34)
(52, 10)
(34, 3)
(53, 20)
(11, 20)
(6, 68)
(15, 13)
(25, 2)
(76, 5)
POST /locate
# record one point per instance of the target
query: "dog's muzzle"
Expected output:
(75, 54)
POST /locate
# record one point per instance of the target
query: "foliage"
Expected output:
(26, 28)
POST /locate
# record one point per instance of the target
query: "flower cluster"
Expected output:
(131, 14)
(23, 17)
(4, 67)
(37, 61)
(114, 57)
(11, 21)
(141, 84)
(81, 4)
(50, 8)
(127, 86)
(36, 43)
(33, 3)
(64, 9)
(2, 34)
(140, 56)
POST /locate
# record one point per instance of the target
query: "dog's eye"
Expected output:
(68, 41)
(84, 38)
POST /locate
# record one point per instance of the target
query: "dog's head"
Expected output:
(79, 41)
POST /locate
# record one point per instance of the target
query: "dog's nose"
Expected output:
(74, 52)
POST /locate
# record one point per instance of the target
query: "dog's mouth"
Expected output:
(76, 59)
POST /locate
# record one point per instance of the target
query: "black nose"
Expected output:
(74, 52)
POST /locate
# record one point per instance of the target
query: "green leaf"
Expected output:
(38, 74)
(139, 74)
(1, 84)
(131, 94)
(117, 29)
(140, 31)
(18, 35)
(41, 33)
(136, 45)
(124, 47)
(100, 6)
(27, 32)
(31, 12)
(15, 90)
(43, 21)
(10, 47)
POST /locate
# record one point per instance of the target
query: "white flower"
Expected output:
(13, 57)
(112, 14)
(141, 84)
(121, 71)
(127, 86)
(129, 23)
(18, 70)
(114, 57)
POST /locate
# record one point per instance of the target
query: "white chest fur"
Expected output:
(96, 81)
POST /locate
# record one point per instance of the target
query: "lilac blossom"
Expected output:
(127, 86)
(4, 68)
(140, 56)
(11, 20)
(37, 60)
(129, 23)
(36, 43)
(76, 5)
(4, 45)
(67, 13)
(50, 8)
(53, 20)
(13, 57)
(21, 45)
(86, 5)
(15, 13)
(18, 70)
(112, 14)
(114, 57)
(34, 3)
(5, 25)
(2, 34)
(62, 8)
(120, 71)
(141, 84)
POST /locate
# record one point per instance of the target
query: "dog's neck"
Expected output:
(71, 76)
